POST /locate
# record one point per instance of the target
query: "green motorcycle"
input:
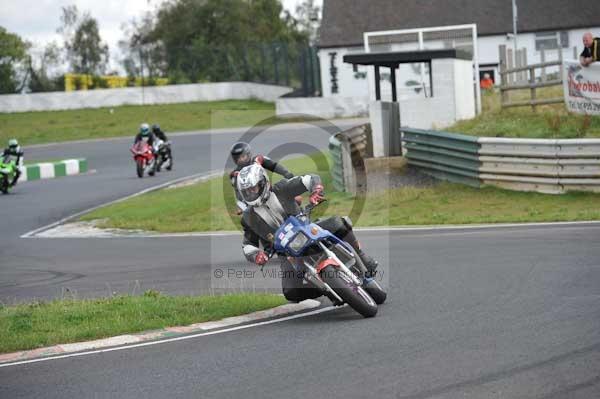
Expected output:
(8, 171)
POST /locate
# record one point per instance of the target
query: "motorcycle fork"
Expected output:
(341, 264)
(311, 275)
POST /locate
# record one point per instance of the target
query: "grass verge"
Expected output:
(548, 121)
(41, 324)
(56, 126)
(202, 207)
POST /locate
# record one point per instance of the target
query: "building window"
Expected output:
(551, 40)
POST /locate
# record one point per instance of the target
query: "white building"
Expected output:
(548, 24)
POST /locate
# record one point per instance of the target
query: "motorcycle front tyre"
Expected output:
(4, 185)
(355, 296)
(140, 168)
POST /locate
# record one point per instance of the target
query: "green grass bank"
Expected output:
(41, 324)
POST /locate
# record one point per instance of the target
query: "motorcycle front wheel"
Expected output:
(4, 184)
(140, 168)
(352, 294)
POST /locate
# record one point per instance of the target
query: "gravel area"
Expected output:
(409, 176)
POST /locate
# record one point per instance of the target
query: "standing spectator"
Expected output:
(591, 49)
(487, 82)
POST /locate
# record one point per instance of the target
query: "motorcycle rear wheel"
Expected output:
(353, 295)
(375, 291)
(152, 170)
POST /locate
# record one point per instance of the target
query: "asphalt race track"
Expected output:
(42, 268)
(508, 312)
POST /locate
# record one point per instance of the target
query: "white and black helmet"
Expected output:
(253, 185)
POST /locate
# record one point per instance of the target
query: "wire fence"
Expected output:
(284, 64)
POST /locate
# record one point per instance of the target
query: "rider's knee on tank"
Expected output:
(339, 226)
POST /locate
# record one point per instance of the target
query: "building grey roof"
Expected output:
(345, 21)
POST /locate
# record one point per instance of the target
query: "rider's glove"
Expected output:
(317, 195)
(261, 258)
(259, 159)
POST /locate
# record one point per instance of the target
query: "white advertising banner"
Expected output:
(582, 87)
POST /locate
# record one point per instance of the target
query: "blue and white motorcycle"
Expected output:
(327, 263)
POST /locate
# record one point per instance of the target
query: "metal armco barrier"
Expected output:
(337, 166)
(446, 156)
(547, 166)
(348, 150)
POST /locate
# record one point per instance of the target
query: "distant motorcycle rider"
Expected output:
(241, 153)
(269, 206)
(14, 150)
(158, 133)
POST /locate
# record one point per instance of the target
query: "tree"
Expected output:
(85, 50)
(13, 52)
(40, 66)
(215, 40)
(309, 20)
(144, 55)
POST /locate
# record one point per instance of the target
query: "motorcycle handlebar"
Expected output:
(309, 208)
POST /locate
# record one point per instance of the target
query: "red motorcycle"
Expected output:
(144, 158)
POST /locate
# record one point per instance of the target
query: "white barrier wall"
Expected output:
(453, 97)
(138, 96)
(330, 107)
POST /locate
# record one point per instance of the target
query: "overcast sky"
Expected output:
(37, 20)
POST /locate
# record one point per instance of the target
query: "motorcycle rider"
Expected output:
(241, 153)
(156, 130)
(269, 206)
(145, 133)
(14, 150)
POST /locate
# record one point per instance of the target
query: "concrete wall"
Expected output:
(137, 96)
(463, 90)
(453, 97)
(350, 82)
(331, 107)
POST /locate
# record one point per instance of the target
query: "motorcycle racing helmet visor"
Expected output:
(253, 193)
(144, 130)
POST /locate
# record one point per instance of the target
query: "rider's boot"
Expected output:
(370, 263)
(15, 178)
(170, 160)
